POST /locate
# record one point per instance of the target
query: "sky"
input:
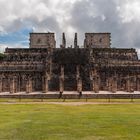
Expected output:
(119, 17)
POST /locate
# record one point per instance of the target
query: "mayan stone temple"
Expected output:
(94, 67)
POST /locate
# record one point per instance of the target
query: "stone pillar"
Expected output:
(114, 84)
(19, 88)
(95, 81)
(79, 85)
(1, 85)
(61, 80)
(109, 84)
(128, 84)
(49, 64)
(96, 84)
(15, 80)
(79, 80)
(132, 80)
(12, 85)
(50, 72)
(61, 85)
(77, 72)
(138, 84)
(92, 81)
(29, 85)
(63, 41)
(75, 41)
(45, 84)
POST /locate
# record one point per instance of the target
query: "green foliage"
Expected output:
(1, 56)
(61, 122)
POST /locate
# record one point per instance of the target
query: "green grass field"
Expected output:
(65, 122)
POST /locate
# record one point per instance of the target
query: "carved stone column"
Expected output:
(91, 80)
(132, 80)
(61, 80)
(61, 85)
(15, 84)
(1, 84)
(29, 85)
(45, 84)
(12, 85)
(138, 84)
(109, 84)
(18, 88)
(96, 84)
(79, 85)
(95, 80)
(77, 72)
(128, 84)
(79, 80)
(114, 84)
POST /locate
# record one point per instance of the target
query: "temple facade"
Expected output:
(94, 67)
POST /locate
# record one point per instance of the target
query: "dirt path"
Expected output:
(71, 103)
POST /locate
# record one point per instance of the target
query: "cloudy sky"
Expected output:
(20, 17)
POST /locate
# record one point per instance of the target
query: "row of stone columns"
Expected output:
(111, 83)
(95, 79)
(129, 85)
(13, 85)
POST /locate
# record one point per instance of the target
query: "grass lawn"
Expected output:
(65, 122)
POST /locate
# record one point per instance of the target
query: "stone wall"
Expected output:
(97, 40)
(69, 69)
(42, 40)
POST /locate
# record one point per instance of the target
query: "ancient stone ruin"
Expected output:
(43, 67)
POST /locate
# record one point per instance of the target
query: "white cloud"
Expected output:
(42, 15)
(138, 52)
(37, 10)
(120, 17)
(129, 11)
(2, 47)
